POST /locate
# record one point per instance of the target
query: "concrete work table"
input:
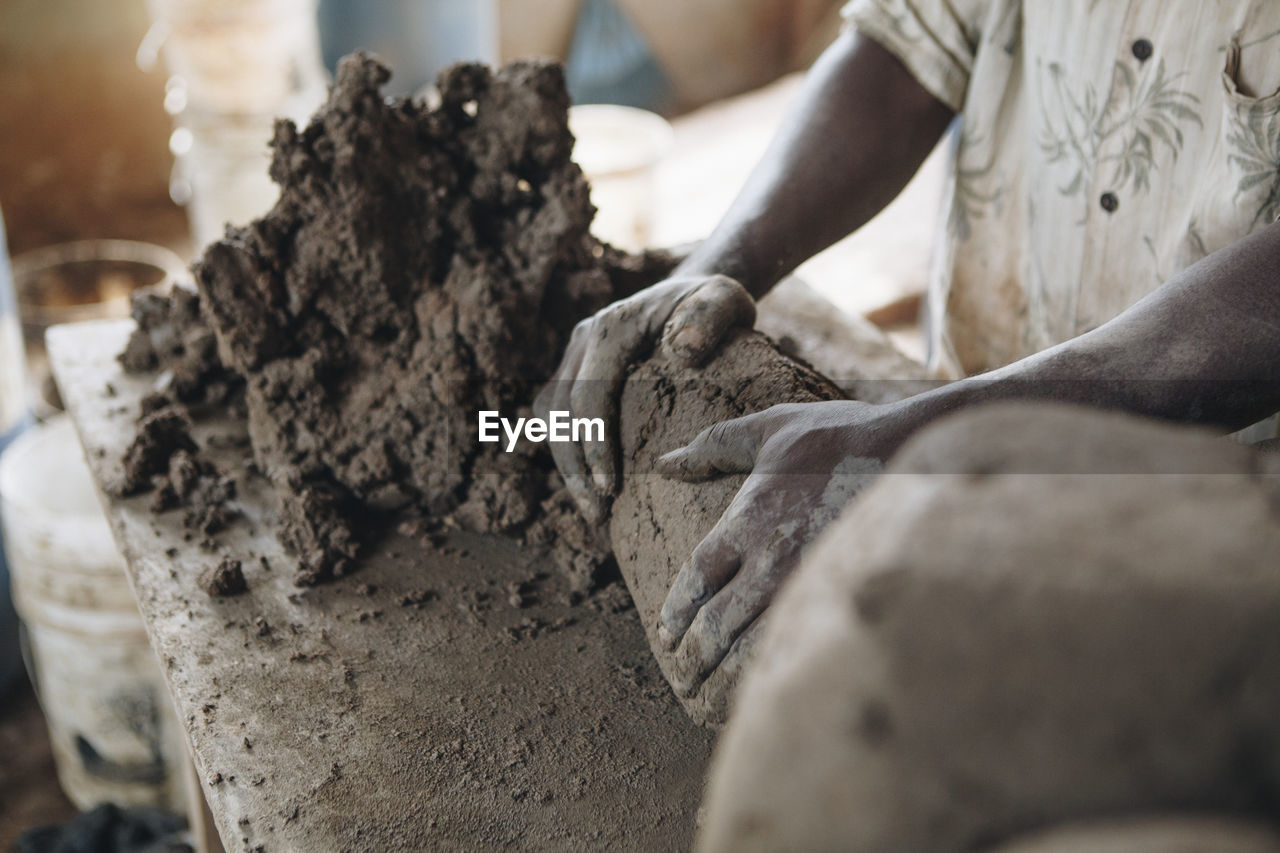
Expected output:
(439, 697)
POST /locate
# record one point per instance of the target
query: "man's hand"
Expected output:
(857, 132)
(692, 314)
(806, 460)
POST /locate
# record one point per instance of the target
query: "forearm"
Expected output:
(1202, 349)
(861, 128)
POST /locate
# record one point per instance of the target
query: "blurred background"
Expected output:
(132, 131)
(85, 141)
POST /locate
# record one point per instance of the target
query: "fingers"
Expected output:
(707, 570)
(726, 617)
(702, 319)
(591, 375)
(595, 394)
(741, 653)
(729, 447)
(726, 677)
(569, 460)
(569, 456)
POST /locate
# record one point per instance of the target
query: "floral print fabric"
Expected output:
(1102, 146)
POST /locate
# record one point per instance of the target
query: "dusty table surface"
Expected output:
(440, 697)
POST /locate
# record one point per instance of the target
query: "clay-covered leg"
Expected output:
(979, 648)
(1152, 835)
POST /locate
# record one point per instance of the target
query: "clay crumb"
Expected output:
(153, 402)
(308, 657)
(532, 628)
(418, 598)
(198, 486)
(520, 594)
(161, 434)
(223, 580)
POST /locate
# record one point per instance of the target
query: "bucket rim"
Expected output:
(11, 483)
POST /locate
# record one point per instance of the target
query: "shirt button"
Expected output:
(1142, 50)
(1109, 202)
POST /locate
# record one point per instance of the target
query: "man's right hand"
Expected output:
(690, 314)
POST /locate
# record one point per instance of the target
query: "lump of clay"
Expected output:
(421, 264)
(224, 579)
(161, 433)
(973, 651)
(656, 523)
(171, 335)
(198, 486)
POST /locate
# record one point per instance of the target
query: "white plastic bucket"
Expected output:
(13, 420)
(619, 150)
(234, 67)
(114, 733)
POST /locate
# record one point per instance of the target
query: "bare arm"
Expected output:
(858, 132)
(1203, 349)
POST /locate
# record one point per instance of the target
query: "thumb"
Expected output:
(702, 319)
(728, 447)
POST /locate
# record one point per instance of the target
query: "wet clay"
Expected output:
(171, 335)
(195, 484)
(224, 579)
(161, 433)
(657, 523)
(422, 264)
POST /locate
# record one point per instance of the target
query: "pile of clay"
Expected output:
(423, 262)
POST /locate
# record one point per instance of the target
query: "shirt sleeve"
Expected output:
(937, 40)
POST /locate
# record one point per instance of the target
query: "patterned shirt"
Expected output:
(1102, 147)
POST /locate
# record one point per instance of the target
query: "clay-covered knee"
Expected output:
(1148, 834)
(972, 651)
